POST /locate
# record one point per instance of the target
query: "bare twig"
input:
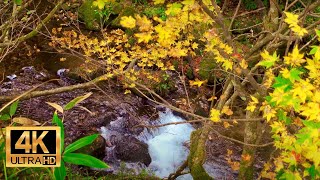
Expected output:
(15, 98)
(36, 29)
(250, 12)
(245, 28)
(235, 14)
(240, 142)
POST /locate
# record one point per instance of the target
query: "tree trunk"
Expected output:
(251, 136)
(197, 156)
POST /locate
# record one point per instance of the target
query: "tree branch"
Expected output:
(36, 29)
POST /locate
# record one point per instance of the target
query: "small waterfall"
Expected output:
(167, 145)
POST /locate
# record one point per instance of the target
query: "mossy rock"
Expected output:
(93, 17)
(126, 11)
(89, 15)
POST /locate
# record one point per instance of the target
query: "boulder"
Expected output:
(130, 149)
(89, 14)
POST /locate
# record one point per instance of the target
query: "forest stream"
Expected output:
(156, 151)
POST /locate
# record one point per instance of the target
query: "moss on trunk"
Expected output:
(252, 135)
(197, 156)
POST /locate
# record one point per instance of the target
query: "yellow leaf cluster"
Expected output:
(197, 82)
(158, 1)
(128, 22)
(215, 115)
(292, 20)
(226, 110)
(294, 58)
(252, 104)
(268, 112)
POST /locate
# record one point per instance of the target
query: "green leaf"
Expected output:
(272, 103)
(13, 108)
(173, 9)
(57, 121)
(313, 172)
(313, 50)
(318, 33)
(60, 172)
(81, 143)
(85, 160)
(266, 64)
(282, 115)
(268, 60)
(312, 124)
(5, 117)
(18, 2)
(301, 138)
(294, 74)
(280, 173)
(100, 3)
(76, 100)
(2, 151)
(283, 83)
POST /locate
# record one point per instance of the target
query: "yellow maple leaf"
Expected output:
(294, 58)
(246, 157)
(226, 124)
(158, 1)
(143, 37)
(226, 110)
(254, 99)
(164, 35)
(215, 115)
(212, 98)
(243, 64)
(227, 65)
(143, 22)
(128, 22)
(268, 112)
(100, 3)
(229, 152)
(252, 104)
(251, 107)
(194, 45)
(197, 82)
(173, 9)
(127, 91)
(292, 20)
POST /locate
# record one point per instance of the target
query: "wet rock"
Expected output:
(130, 149)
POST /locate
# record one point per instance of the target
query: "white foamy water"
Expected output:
(167, 145)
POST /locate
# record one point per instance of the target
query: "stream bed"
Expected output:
(167, 145)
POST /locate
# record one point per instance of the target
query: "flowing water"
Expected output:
(167, 145)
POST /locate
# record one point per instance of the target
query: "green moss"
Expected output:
(159, 11)
(90, 15)
(197, 157)
(246, 168)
